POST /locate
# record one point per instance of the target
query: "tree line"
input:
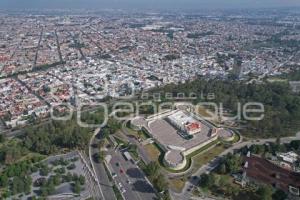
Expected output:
(282, 106)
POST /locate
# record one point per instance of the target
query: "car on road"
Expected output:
(123, 190)
(120, 185)
(114, 175)
(117, 164)
(121, 171)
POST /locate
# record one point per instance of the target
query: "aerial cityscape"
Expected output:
(149, 103)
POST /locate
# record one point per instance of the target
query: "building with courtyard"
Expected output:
(179, 133)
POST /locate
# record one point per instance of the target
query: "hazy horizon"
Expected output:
(146, 4)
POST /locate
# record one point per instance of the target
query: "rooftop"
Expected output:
(266, 172)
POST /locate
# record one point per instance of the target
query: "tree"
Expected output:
(44, 171)
(16, 186)
(34, 169)
(279, 195)
(68, 177)
(232, 162)
(235, 191)
(77, 187)
(132, 147)
(282, 148)
(101, 144)
(206, 181)
(222, 169)
(21, 184)
(106, 133)
(49, 138)
(282, 107)
(2, 138)
(152, 170)
(166, 196)
(265, 192)
(140, 133)
(223, 181)
(60, 170)
(27, 184)
(71, 166)
(99, 157)
(56, 179)
(50, 187)
(44, 191)
(295, 145)
(160, 183)
(6, 194)
(3, 180)
(81, 180)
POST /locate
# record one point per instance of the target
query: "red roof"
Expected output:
(262, 170)
(193, 126)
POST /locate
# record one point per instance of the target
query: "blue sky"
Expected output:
(148, 4)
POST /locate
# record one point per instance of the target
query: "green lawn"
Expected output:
(193, 156)
(202, 149)
(236, 138)
(119, 141)
(202, 159)
(199, 158)
(177, 184)
(117, 193)
(203, 112)
(152, 152)
(135, 133)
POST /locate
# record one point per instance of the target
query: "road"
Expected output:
(104, 183)
(58, 46)
(32, 92)
(141, 150)
(38, 48)
(187, 190)
(194, 180)
(131, 178)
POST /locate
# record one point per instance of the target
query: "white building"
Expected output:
(185, 122)
(289, 157)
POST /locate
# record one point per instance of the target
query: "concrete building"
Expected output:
(185, 122)
(169, 129)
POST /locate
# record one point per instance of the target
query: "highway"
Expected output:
(104, 183)
(130, 178)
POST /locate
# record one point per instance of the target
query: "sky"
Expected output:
(146, 4)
